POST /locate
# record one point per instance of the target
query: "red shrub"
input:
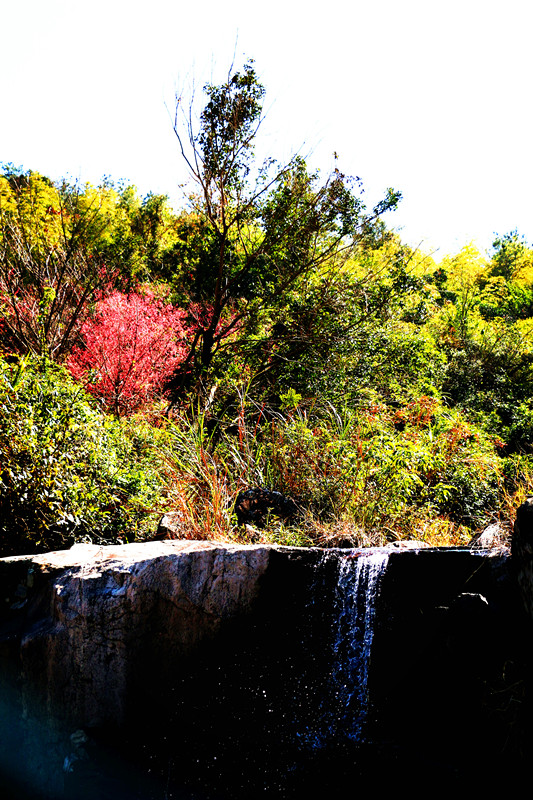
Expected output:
(133, 343)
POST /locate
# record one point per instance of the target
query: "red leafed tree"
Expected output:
(132, 344)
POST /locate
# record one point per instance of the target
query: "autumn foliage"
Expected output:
(132, 344)
(298, 344)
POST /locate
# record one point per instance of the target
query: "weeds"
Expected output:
(363, 478)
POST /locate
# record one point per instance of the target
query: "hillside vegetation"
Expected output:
(272, 333)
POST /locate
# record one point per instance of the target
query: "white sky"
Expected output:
(430, 97)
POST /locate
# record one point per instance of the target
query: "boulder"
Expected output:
(170, 526)
(493, 536)
(254, 506)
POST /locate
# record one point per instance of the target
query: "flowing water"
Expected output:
(344, 707)
(356, 594)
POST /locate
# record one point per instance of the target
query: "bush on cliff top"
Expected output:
(67, 472)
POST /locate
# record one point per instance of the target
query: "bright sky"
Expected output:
(430, 97)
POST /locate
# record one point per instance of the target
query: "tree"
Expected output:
(264, 228)
(511, 257)
(52, 260)
(131, 345)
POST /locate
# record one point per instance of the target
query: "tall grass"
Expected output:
(361, 477)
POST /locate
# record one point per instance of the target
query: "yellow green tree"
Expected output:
(55, 242)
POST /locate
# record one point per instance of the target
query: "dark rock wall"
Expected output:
(450, 669)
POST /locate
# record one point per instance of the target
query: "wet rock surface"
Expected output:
(450, 668)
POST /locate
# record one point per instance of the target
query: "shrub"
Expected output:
(67, 472)
(132, 344)
(378, 466)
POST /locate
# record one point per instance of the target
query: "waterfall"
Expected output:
(344, 702)
(355, 603)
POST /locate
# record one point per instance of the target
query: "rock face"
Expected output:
(522, 553)
(93, 624)
(109, 608)
(196, 670)
(450, 674)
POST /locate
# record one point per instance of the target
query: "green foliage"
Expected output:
(375, 466)
(257, 233)
(67, 472)
(511, 258)
(227, 128)
(390, 395)
(52, 239)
